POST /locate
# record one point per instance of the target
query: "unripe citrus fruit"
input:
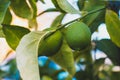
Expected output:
(50, 45)
(78, 35)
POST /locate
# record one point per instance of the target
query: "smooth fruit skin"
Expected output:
(50, 45)
(78, 35)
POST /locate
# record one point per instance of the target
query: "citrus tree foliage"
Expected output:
(66, 44)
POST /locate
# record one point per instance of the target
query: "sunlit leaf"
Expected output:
(7, 18)
(67, 7)
(110, 49)
(21, 8)
(65, 59)
(27, 55)
(13, 34)
(113, 26)
(57, 21)
(3, 8)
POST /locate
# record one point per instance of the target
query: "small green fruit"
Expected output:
(51, 44)
(78, 35)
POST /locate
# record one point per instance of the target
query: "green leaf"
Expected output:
(92, 5)
(97, 64)
(110, 49)
(42, 1)
(65, 58)
(81, 75)
(33, 7)
(13, 34)
(21, 9)
(85, 53)
(2, 74)
(57, 21)
(86, 74)
(95, 19)
(113, 26)
(57, 6)
(68, 77)
(103, 75)
(81, 4)
(12, 67)
(7, 18)
(67, 7)
(27, 55)
(115, 75)
(48, 71)
(3, 8)
(1, 32)
(33, 22)
(48, 10)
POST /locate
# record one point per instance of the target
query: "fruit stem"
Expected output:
(78, 19)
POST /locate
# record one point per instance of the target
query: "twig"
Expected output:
(78, 19)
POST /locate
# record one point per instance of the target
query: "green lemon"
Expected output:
(51, 44)
(78, 35)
